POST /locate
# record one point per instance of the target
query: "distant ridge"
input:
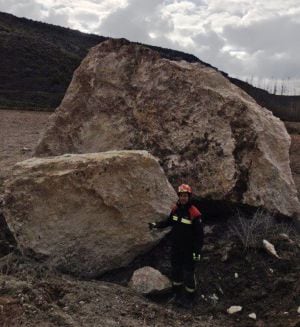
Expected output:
(37, 61)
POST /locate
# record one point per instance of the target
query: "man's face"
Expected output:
(183, 198)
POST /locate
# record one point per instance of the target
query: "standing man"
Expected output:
(187, 240)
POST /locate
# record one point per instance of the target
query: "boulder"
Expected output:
(148, 280)
(206, 131)
(87, 214)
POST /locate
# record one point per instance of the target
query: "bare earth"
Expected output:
(32, 294)
(19, 133)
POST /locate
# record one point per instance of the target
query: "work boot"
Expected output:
(177, 293)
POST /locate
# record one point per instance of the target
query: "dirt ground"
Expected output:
(19, 133)
(32, 294)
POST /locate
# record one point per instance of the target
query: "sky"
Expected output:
(254, 40)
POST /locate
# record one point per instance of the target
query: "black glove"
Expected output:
(152, 225)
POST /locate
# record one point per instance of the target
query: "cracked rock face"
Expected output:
(87, 214)
(206, 131)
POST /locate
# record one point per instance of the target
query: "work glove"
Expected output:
(152, 225)
(196, 257)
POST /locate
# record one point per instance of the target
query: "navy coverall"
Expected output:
(186, 238)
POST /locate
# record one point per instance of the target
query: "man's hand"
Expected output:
(152, 225)
(196, 257)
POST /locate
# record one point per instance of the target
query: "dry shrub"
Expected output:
(251, 231)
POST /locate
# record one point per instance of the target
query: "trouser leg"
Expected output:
(190, 281)
(188, 292)
(190, 284)
(177, 272)
(177, 276)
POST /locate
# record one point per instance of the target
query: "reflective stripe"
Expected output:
(177, 283)
(182, 220)
(190, 290)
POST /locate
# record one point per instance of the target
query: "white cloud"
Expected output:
(84, 15)
(240, 37)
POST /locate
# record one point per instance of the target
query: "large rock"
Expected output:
(87, 214)
(206, 131)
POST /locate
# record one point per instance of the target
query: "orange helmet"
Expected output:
(184, 188)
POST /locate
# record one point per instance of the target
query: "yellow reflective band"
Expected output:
(190, 290)
(183, 220)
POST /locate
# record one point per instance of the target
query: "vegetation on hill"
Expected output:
(37, 61)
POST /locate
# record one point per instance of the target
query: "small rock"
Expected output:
(270, 248)
(252, 316)
(234, 308)
(298, 310)
(81, 302)
(271, 270)
(148, 280)
(284, 236)
(285, 313)
(236, 275)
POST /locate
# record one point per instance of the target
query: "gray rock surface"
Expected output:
(206, 131)
(87, 214)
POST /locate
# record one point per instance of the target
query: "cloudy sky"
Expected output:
(254, 40)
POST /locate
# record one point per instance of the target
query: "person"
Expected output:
(187, 240)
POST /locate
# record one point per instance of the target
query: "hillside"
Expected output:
(37, 61)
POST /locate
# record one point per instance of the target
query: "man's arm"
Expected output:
(161, 224)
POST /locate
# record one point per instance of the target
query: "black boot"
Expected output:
(176, 293)
(187, 300)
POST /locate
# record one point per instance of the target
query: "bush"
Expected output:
(251, 231)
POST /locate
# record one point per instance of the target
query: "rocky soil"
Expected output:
(34, 294)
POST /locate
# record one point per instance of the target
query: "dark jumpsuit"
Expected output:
(186, 238)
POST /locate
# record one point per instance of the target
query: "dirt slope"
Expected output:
(19, 133)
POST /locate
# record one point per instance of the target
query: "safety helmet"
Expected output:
(184, 188)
